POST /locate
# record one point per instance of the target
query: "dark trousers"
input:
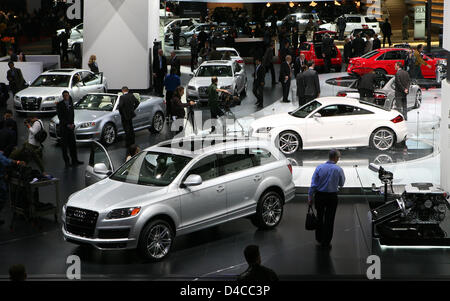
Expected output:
(169, 95)
(286, 87)
(272, 72)
(68, 141)
(65, 54)
(176, 43)
(401, 104)
(327, 63)
(159, 86)
(384, 40)
(308, 98)
(194, 58)
(129, 131)
(341, 34)
(366, 93)
(326, 205)
(258, 91)
(301, 100)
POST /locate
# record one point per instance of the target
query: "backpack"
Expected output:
(41, 135)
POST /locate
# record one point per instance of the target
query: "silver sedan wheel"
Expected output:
(158, 122)
(109, 134)
(383, 139)
(288, 143)
(272, 210)
(159, 241)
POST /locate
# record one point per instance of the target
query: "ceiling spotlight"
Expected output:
(313, 4)
(268, 4)
(358, 3)
(291, 4)
(336, 3)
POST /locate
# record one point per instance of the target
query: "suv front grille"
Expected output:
(81, 222)
(31, 103)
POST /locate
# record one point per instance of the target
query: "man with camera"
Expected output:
(213, 101)
(31, 150)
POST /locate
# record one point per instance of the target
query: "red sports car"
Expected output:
(383, 61)
(313, 51)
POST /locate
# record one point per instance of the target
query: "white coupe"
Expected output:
(332, 122)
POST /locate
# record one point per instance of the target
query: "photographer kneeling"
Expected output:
(177, 107)
(31, 150)
(213, 101)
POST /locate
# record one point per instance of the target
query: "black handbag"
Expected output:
(311, 220)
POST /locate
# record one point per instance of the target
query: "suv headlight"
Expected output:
(123, 213)
(87, 125)
(264, 130)
(191, 88)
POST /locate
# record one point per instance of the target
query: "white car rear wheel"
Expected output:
(382, 139)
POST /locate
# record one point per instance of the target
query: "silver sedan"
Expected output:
(97, 117)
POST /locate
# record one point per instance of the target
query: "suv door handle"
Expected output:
(220, 188)
(257, 178)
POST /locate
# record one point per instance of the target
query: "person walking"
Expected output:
(93, 66)
(194, 44)
(268, 62)
(369, 44)
(300, 81)
(341, 24)
(285, 77)
(176, 31)
(358, 45)
(327, 52)
(376, 44)
(256, 271)
(405, 27)
(323, 192)
(311, 83)
(402, 84)
(258, 83)
(386, 29)
(299, 64)
(178, 107)
(159, 72)
(213, 101)
(171, 82)
(128, 104)
(15, 78)
(66, 116)
(175, 63)
(419, 62)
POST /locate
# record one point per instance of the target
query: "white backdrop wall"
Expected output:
(445, 114)
(118, 33)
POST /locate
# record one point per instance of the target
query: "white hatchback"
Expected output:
(332, 122)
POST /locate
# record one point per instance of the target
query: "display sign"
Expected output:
(419, 21)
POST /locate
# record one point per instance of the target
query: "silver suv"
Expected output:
(178, 187)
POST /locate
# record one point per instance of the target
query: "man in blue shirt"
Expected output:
(171, 83)
(325, 183)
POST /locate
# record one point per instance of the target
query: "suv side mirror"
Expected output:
(101, 169)
(193, 180)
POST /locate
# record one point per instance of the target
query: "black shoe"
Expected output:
(76, 163)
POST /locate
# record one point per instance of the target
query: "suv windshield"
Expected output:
(219, 71)
(96, 103)
(52, 81)
(306, 109)
(151, 168)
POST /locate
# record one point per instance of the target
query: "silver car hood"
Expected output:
(206, 81)
(82, 116)
(42, 91)
(108, 195)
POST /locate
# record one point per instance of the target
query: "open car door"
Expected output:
(100, 165)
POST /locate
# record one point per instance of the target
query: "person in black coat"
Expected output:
(8, 120)
(176, 31)
(256, 271)
(268, 62)
(128, 103)
(402, 85)
(366, 85)
(285, 77)
(202, 38)
(178, 108)
(8, 137)
(348, 52)
(327, 52)
(300, 89)
(159, 72)
(258, 83)
(312, 84)
(66, 117)
(358, 46)
(175, 63)
(15, 78)
(376, 43)
(299, 64)
(386, 29)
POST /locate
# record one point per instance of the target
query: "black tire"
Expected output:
(183, 41)
(380, 142)
(150, 232)
(380, 71)
(292, 149)
(157, 123)
(109, 134)
(269, 211)
(418, 100)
